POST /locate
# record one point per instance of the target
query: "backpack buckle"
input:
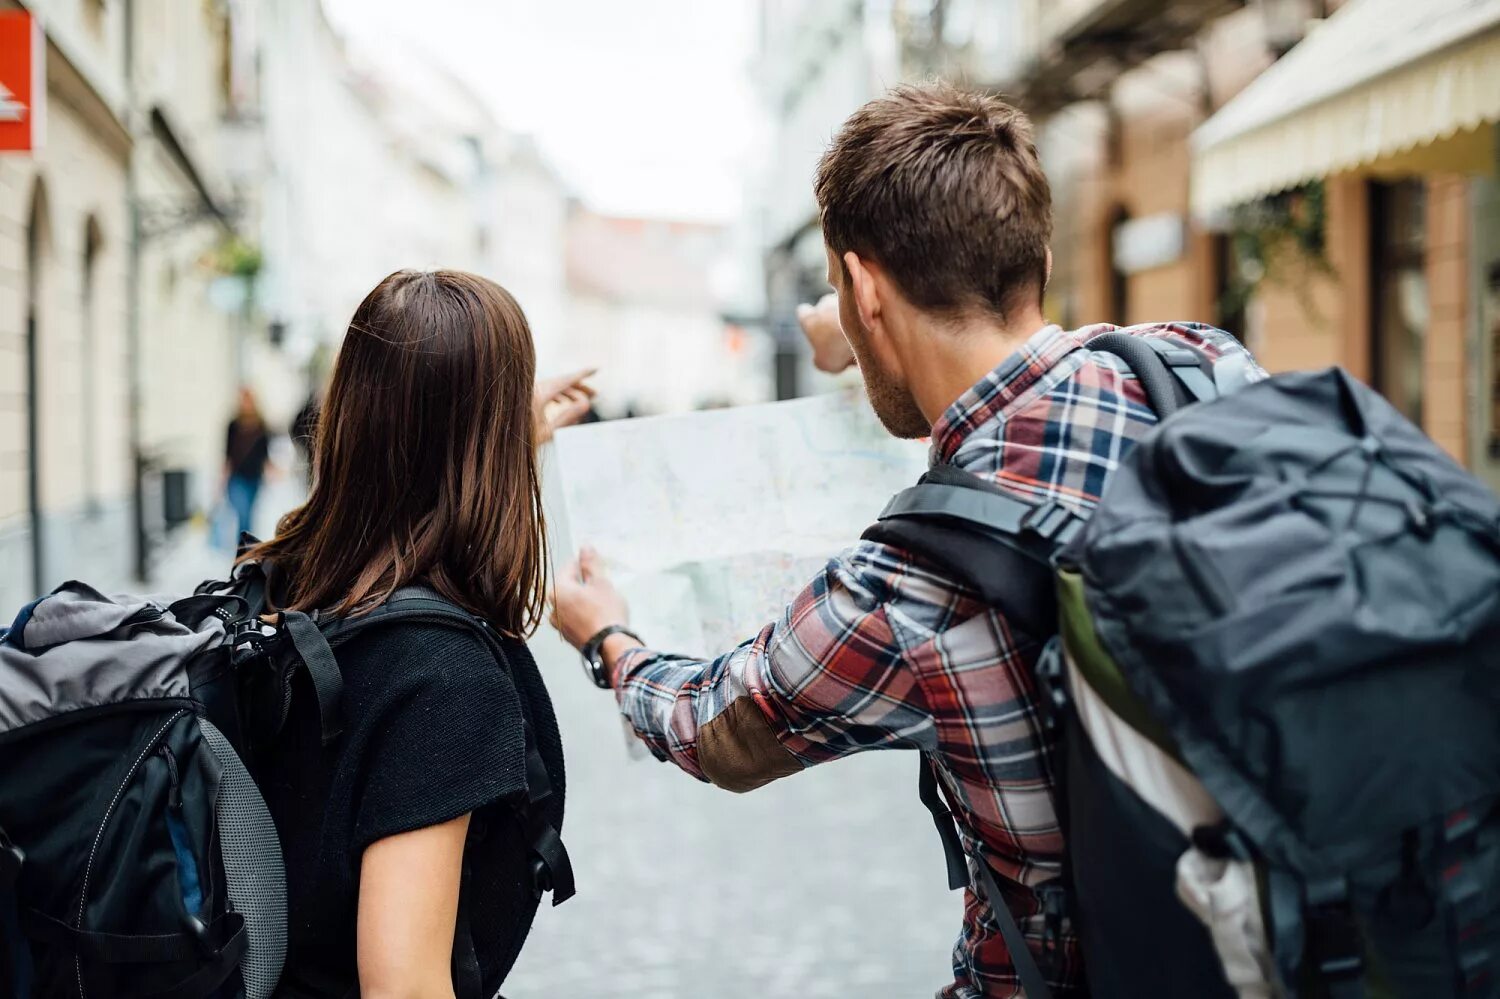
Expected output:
(1054, 899)
(1334, 943)
(1052, 685)
(1047, 520)
(202, 938)
(1221, 842)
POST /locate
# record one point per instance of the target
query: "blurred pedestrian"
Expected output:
(247, 460)
(412, 842)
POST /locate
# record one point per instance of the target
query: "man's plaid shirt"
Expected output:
(878, 652)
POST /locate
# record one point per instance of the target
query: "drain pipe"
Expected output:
(141, 552)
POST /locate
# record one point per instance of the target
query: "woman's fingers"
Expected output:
(562, 401)
(548, 389)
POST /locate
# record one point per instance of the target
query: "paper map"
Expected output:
(711, 522)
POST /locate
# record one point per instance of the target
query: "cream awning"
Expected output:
(1375, 82)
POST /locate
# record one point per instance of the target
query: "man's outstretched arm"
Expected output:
(825, 680)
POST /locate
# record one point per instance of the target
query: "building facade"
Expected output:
(65, 451)
(1371, 263)
(1383, 261)
(643, 308)
(124, 318)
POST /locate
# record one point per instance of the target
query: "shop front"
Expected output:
(1388, 111)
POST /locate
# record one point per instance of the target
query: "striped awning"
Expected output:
(1370, 86)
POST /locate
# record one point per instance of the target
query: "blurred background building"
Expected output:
(645, 311)
(219, 182)
(215, 187)
(1317, 176)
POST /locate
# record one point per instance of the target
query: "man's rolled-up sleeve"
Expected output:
(825, 680)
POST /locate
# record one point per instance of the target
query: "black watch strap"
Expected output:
(593, 658)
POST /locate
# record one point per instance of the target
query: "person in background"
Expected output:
(247, 460)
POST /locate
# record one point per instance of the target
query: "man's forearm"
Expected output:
(706, 717)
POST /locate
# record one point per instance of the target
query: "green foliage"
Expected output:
(1279, 240)
(237, 258)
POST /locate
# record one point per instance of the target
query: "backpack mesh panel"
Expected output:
(254, 874)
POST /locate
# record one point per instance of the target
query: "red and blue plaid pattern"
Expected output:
(880, 653)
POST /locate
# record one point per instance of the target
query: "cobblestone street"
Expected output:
(830, 883)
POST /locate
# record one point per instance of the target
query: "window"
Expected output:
(1398, 284)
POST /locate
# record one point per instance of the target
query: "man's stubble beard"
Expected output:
(893, 403)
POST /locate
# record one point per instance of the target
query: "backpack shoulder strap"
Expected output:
(1175, 374)
(995, 543)
(1000, 546)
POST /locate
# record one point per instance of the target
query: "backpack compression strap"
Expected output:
(317, 657)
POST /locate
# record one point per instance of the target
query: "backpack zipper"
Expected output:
(174, 795)
(88, 870)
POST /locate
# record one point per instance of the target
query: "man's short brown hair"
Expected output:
(944, 189)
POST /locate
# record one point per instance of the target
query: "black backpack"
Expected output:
(137, 856)
(1272, 678)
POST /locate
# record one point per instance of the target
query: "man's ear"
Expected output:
(1047, 278)
(866, 292)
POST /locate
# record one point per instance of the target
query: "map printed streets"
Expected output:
(711, 522)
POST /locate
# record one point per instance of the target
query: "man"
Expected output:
(936, 216)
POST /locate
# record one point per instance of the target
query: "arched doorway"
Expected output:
(38, 250)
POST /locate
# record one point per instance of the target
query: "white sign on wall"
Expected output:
(1153, 241)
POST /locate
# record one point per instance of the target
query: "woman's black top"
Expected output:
(432, 730)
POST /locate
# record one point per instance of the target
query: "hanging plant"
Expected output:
(1279, 240)
(234, 257)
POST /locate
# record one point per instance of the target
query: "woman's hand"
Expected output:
(408, 909)
(561, 402)
(820, 324)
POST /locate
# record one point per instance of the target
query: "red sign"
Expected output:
(23, 87)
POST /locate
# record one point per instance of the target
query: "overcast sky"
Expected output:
(644, 106)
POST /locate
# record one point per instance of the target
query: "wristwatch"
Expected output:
(593, 654)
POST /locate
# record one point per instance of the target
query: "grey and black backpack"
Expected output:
(137, 856)
(1272, 674)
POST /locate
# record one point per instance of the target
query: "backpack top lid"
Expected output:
(1297, 576)
(1306, 500)
(77, 648)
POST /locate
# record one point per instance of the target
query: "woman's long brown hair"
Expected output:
(424, 460)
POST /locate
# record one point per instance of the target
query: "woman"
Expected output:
(247, 456)
(405, 843)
